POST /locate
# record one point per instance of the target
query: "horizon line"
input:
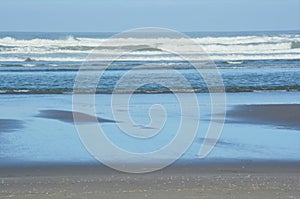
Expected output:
(191, 31)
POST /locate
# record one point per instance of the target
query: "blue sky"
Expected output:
(119, 15)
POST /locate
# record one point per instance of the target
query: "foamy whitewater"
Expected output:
(248, 61)
(228, 47)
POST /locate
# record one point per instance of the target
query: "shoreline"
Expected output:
(188, 166)
(249, 180)
(227, 90)
(253, 111)
(207, 178)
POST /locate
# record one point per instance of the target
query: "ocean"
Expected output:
(248, 61)
(38, 72)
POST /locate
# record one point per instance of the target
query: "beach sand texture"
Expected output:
(218, 180)
(190, 179)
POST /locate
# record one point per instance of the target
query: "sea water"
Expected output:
(38, 70)
(247, 61)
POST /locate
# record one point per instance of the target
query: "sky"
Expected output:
(121, 15)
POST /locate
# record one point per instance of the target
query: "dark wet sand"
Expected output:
(8, 125)
(279, 115)
(203, 180)
(68, 116)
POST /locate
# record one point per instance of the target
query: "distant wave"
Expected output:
(229, 49)
(120, 66)
(158, 91)
(230, 58)
(48, 64)
(235, 62)
(92, 42)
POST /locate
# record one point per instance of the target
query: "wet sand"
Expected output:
(193, 179)
(203, 180)
(279, 115)
(8, 125)
(68, 116)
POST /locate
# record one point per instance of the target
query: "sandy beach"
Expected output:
(135, 99)
(209, 180)
(226, 178)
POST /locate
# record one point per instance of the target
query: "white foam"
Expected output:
(219, 48)
(155, 58)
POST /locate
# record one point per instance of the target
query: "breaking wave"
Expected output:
(232, 48)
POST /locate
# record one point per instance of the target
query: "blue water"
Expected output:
(247, 61)
(38, 71)
(42, 140)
